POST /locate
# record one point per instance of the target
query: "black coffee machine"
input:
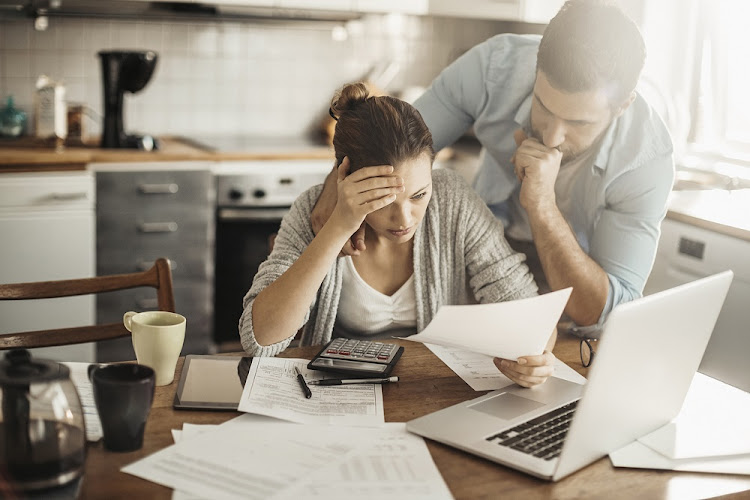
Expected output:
(124, 71)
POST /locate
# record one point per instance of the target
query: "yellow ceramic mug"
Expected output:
(157, 340)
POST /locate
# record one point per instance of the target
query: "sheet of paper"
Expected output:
(272, 389)
(714, 421)
(80, 377)
(639, 456)
(480, 372)
(397, 465)
(249, 457)
(188, 431)
(505, 329)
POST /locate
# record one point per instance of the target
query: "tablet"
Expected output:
(211, 382)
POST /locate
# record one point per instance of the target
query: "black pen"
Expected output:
(337, 381)
(303, 384)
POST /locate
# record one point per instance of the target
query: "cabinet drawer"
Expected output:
(153, 234)
(192, 300)
(149, 190)
(44, 191)
(186, 263)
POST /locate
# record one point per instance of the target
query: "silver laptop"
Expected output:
(649, 351)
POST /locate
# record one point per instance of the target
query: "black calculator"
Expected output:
(360, 358)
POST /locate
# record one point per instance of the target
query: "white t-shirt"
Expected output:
(364, 311)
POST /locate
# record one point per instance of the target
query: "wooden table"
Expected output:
(426, 385)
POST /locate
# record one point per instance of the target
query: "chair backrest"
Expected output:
(159, 277)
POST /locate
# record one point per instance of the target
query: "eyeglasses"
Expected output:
(587, 352)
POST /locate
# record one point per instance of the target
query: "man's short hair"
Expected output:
(590, 45)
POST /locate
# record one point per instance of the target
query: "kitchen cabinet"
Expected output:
(47, 227)
(150, 210)
(687, 252)
(533, 11)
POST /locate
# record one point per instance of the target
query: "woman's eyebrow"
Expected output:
(420, 190)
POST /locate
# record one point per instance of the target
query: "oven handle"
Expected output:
(252, 214)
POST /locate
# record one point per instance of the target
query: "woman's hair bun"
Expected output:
(350, 96)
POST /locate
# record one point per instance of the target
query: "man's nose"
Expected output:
(554, 134)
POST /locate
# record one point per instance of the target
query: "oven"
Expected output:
(252, 197)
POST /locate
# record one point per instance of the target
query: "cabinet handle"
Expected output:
(158, 227)
(147, 304)
(145, 265)
(78, 195)
(170, 188)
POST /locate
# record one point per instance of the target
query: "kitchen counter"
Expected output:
(24, 156)
(723, 211)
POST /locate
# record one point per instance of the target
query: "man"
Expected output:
(574, 159)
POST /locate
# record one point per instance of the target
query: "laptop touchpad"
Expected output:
(506, 405)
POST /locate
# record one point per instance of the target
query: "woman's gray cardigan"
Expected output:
(460, 256)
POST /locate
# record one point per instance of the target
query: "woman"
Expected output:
(430, 241)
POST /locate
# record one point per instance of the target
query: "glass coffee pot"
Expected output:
(42, 433)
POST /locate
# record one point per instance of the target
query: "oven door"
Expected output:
(243, 241)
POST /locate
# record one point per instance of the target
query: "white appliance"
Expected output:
(47, 224)
(687, 252)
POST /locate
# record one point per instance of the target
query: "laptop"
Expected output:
(649, 351)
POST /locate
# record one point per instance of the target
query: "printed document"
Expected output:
(639, 456)
(272, 389)
(714, 421)
(79, 374)
(249, 457)
(481, 374)
(397, 465)
(504, 330)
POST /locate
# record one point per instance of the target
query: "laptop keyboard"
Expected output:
(541, 437)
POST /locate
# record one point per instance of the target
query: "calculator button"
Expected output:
(344, 353)
(382, 357)
(332, 351)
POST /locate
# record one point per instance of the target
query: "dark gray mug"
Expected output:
(123, 394)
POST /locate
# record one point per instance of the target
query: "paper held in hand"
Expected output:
(504, 330)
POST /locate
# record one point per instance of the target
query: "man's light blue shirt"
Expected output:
(619, 200)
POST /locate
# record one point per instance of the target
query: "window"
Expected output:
(721, 92)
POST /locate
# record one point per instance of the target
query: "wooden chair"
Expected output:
(159, 277)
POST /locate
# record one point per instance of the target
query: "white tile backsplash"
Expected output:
(229, 78)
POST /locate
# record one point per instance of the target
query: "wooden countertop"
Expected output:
(28, 155)
(718, 210)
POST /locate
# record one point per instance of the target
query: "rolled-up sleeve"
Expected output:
(627, 232)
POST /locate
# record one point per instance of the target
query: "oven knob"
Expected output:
(235, 194)
(259, 193)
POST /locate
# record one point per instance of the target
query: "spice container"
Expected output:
(50, 110)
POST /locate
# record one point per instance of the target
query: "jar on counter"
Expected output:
(12, 120)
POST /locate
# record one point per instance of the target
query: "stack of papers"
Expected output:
(267, 454)
(253, 457)
(79, 375)
(711, 434)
